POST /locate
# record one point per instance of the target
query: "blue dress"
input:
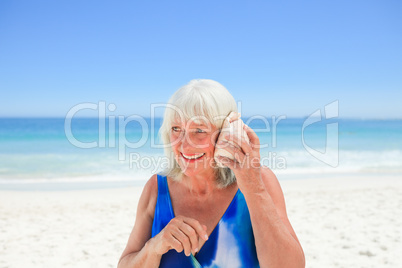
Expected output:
(231, 243)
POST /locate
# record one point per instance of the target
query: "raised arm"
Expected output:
(275, 239)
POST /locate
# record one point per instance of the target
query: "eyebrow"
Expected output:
(197, 125)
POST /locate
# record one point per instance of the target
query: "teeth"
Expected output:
(193, 156)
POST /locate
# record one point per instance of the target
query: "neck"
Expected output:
(200, 185)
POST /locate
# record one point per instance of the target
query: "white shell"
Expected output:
(233, 125)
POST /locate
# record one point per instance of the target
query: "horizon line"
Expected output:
(161, 117)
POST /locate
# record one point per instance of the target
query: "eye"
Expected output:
(176, 129)
(200, 131)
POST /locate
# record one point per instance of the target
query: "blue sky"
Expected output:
(278, 58)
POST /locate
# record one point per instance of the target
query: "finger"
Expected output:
(233, 137)
(192, 236)
(183, 239)
(231, 149)
(254, 140)
(233, 116)
(240, 141)
(227, 162)
(239, 157)
(174, 243)
(197, 227)
(244, 145)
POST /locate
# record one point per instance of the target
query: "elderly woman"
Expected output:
(207, 211)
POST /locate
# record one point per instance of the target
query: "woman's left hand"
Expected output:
(246, 165)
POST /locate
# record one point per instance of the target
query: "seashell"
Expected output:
(233, 125)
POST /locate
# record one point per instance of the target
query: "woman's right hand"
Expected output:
(181, 233)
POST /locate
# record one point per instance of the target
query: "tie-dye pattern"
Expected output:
(231, 243)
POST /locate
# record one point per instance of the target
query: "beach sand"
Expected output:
(342, 221)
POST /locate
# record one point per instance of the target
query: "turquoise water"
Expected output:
(37, 149)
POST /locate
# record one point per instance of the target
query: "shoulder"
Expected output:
(149, 195)
(151, 185)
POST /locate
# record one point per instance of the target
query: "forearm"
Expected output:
(146, 257)
(276, 247)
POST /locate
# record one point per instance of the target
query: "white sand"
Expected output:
(65, 229)
(348, 221)
(341, 222)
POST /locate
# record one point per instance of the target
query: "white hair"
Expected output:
(203, 98)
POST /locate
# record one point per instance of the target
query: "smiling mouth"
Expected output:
(192, 157)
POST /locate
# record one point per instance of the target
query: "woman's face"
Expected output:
(193, 145)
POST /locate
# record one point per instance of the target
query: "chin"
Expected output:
(189, 172)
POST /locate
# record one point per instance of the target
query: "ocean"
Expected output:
(91, 149)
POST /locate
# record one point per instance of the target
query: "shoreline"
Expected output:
(104, 183)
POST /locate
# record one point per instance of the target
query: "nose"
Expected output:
(185, 142)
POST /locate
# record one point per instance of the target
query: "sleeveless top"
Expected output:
(231, 243)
